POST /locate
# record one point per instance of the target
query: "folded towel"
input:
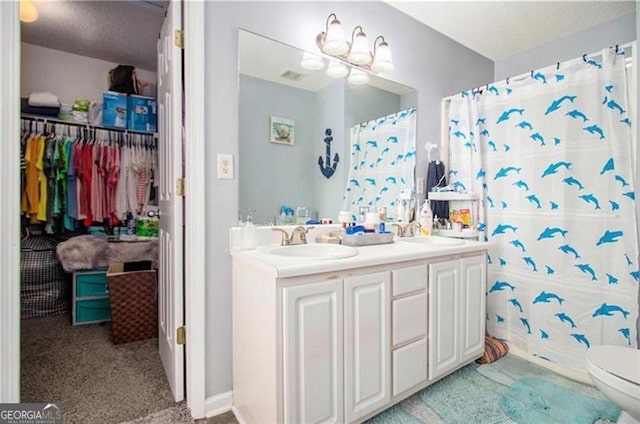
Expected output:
(43, 99)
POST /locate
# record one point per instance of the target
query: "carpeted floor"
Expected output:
(96, 381)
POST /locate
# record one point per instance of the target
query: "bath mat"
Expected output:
(532, 401)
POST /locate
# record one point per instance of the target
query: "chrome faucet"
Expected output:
(298, 236)
(408, 230)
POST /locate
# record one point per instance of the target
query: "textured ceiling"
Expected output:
(499, 29)
(116, 31)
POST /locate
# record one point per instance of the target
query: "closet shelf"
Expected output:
(52, 120)
(451, 195)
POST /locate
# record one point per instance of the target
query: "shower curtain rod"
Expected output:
(525, 74)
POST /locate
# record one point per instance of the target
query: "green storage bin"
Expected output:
(91, 284)
(93, 310)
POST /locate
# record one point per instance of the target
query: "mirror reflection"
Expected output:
(296, 150)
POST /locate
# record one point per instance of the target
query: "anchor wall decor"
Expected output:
(328, 169)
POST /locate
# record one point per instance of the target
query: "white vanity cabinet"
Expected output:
(456, 313)
(341, 345)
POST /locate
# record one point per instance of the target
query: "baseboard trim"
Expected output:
(573, 374)
(238, 415)
(218, 404)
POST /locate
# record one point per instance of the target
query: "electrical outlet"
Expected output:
(225, 166)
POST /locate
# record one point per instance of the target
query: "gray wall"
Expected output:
(437, 68)
(272, 175)
(638, 158)
(617, 31)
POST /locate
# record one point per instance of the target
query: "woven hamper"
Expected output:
(134, 305)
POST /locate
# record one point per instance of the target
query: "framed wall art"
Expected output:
(282, 130)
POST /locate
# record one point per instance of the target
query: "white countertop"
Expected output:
(398, 251)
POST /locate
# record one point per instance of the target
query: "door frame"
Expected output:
(193, 25)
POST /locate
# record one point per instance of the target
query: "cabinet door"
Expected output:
(312, 342)
(473, 306)
(367, 344)
(444, 317)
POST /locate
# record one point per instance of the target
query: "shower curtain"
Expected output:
(551, 156)
(383, 158)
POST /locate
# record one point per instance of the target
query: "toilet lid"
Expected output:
(623, 362)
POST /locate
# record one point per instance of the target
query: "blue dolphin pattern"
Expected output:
(371, 181)
(525, 125)
(502, 228)
(532, 198)
(481, 121)
(553, 168)
(572, 181)
(631, 195)
(626, 333)
(590, 198)
(550, 271)
(610, 237)
(492, 144)
(612, 279)
(500, 286)
(595, 129)
(559, 77)
(460, 134)
(608, 310)
(540, 77)
(545, 297)
(621, 180)
(635, 275)
(502, 262)
(503, 172)
(555, 105)
(485, 132)
(391, 180)
(515, 303)
(521, 184)
(537, 137)
(629, 261)
(586, 268)
(493, 89)
(626, 121)
(556, 141)
(565, 318)
(525, 323)
(608, 166)
(609, 88)
(507, 114)
(581, 338)
(354, 182)
(529, 261)
(565, 248)
(614, 205)
(551, 233)
(517, 243)
(576, 114)
(543, 334)
(553, 205)
(372, 143)
(506, 147)
(499, 319)
(593, 63)
(611, 104)
(481, 173)
(459, 185)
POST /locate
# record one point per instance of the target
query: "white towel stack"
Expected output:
(43, 99)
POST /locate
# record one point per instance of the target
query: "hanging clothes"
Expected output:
(436, 177)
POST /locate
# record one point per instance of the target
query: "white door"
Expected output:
(367, 344)
(312, 348)
(444, 317)
(170, 277)
(473, 276)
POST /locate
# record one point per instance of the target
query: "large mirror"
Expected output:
(285, 112)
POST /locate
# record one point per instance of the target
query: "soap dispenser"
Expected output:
(248, 233)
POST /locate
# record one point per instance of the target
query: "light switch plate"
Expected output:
(225, 166)
(419, 185)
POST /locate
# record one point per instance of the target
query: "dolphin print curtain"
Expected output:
(383, 159)
(551, 155)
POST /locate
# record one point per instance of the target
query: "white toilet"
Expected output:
(615, 370)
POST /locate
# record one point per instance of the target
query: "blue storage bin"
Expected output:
(91, 284)
(142, 113)
(96, 310)
(114, 109)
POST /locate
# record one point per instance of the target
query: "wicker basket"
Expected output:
(134, 305)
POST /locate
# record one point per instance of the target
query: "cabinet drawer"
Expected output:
(409, 366)
(409, 318)
(410, 279)
(94, 284)
(92, 310)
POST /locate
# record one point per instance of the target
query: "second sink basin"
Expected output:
(315, 251)
(432, 241)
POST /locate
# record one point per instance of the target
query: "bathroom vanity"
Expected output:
(321, 334)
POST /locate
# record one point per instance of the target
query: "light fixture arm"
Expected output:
(375, 43)
(353, 33)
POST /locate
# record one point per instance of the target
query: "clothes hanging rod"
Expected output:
(526, 74)
(48, 119)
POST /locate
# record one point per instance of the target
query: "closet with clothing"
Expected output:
(89, 254)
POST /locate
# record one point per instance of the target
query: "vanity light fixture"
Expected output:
(337, 69)
(358, 77)
(311, 61)
(332, 42)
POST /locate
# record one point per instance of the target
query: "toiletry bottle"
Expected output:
(426, 219)
(248, 233)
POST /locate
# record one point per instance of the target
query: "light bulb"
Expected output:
(359, 53)
(337, 70)
(358, 77)
(28, 11)
(312, 62)
(382, 61)
(334, 41)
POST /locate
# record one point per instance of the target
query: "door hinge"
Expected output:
(180, 187)
(179, 39)
(181, 335)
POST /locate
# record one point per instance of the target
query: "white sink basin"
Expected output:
(431, 241)
(315, 251)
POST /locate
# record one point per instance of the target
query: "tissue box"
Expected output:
(114, 111)
(142, 113)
